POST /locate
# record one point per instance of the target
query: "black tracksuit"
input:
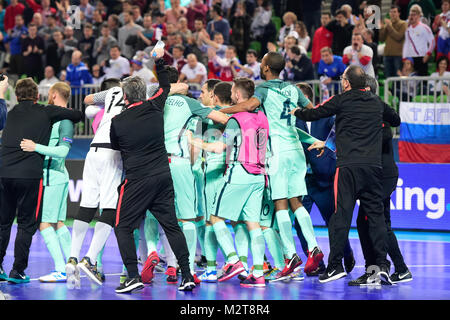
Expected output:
(21, 174)
(359, 117)
(138, 132)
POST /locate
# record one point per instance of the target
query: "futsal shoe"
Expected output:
(332, 273)
(399, 277)
(320, 269)
(366, 279)
(55, 276)
(253, 282)
(230, 270)
(271, 276)
(349, 263)
(297, 275)
(3, 276)
(89, 269)
(73, 274)
(16, 277)
(314, 259)
(100, 273)
(209, 276)
(187, 283)
(383, 274)
(172, 277)
(130, 285)
(291, 265)
(147, 272)
(243, 275)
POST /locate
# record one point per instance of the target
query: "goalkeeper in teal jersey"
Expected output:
(286, 163)
(55, 181)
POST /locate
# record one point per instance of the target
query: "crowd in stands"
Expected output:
(221, 39)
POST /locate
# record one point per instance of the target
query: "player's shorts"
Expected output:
(287, 172)
(185, 189)
(199, 176)
(239, 202)
(102, 174)
(267, 210)
(213, 181)
(54, 204)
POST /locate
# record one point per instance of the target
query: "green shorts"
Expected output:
(54, 204)
(267, 211)
(213, 181)
(287, 172)
(185, 189)
(199, 176)
(239, 202)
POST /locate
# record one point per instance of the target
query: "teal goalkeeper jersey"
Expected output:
(277, 99)
(55, 171)
(181, 113)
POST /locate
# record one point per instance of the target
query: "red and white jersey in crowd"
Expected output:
(443, 32)
(419, 41)
(365, 62)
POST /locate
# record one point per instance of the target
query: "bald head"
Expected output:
(192, 60)
(76, 57)
(355, 76)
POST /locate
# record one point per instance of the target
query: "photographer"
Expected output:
(359, 54)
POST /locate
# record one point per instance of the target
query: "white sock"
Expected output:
(101, 234)
(143, 250)
(79, 230)
(171, 260)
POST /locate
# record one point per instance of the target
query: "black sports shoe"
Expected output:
(320, 269)
(187, 283)
(130, 284)
(16, 277)
(365, 280)
(202, 263)
(398, 277)
(332, 273)
(349, 263)
(383, 274)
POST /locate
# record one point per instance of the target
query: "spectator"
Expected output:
(419, 41)
(113, 24)
(441, 86)
(359, 54)
(137, 15)
(183, 29)
(368, 35)
(140, 70)
(322, 38)
(303, 38)
(217, 43)
(97, 22)
(298, 67)
(251, 69)
(178, 59)
(336, 5)
(86, 45)
(77, 76)
(126, 7)
(63, 75)
(159, 26)
(97, 75)
(70, 44)
(442, 26)
(44, 9)
(220, 68)
(193, 71)
(55, 52)
(197, 10)
(428, 9)
(218, 24)
(50, 27)
(342, 32)
(103, 44)
(37, 20)
(15, 8)
(240, 23)
(199, 26)
(145, 37)
(14, 38)
(289, 19)
(262, 17)
(330, 68)
(32, 49)
(117, 66)
(129, 29)
(87, 9)
(47, 82)
(352, 19)
(392, 32)
(175, 12)
(312, 15)
(407, 88)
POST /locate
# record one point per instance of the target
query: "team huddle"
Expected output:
(164, 167)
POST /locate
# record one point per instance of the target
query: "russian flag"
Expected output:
(424, 132)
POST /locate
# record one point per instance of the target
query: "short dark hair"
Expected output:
(326, 14)
(442, 58)
(394, 6)
(276, 62)
(115, 46)
(223, 91)
(341, 12)
(253, 52)
(295, 50)
(306, 89)
(372, 83)
(246, 86)
(218, 9)
(210, 83)
(26, 89)
(173, 74)
(134, 89)
(109, 83)
(179, 47)
(356, 76)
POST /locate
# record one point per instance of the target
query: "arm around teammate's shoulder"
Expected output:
(58, 113)
(248, 105)
(326, 109)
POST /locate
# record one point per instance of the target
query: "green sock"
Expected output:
(241, 239)
(285, 226)
(258, 248)
(190, 233)
(201, 225)
(304, 220)
(210, 248)
(52, 243)
(65, 240)
(151, 233)
(99, 259)
(225, 241)
(273, 242)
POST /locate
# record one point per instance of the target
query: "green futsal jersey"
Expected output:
(55, 171)
(277, 98)
(213, 133)
(181, 114)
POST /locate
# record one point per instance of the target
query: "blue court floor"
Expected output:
(426, 254)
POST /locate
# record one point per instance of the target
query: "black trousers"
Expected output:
(389, 185)
(24, 198)
(136, 196)
(350, 184)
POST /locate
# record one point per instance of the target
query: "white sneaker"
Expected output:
(55, 276)
(208, 276)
